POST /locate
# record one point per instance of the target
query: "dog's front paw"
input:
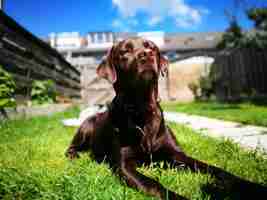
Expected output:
(71, 154)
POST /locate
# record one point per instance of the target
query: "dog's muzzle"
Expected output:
(147, 65)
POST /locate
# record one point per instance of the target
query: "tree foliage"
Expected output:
(7, 89)
(259, 17)
(234, 37)
(43, 92)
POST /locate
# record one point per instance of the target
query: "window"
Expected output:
(100, 38)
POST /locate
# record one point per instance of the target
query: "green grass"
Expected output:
(245, 113)
(33, 165)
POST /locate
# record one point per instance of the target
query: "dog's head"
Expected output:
(133, 62)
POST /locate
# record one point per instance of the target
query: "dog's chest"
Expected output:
(133, 121)
(128, 121)
(129, 127)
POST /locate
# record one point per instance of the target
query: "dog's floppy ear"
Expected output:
(106, 68)
(163, 64)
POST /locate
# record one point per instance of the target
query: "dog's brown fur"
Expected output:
(133, 131)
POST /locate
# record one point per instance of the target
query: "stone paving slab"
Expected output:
(246, 135)
(256, 141)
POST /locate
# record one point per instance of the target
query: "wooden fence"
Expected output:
(240, 74)
(28, 58)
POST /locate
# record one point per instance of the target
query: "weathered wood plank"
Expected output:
(9, 25)
(245, 72)
(18, 64)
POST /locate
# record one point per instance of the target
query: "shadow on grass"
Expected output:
(259, 101)
(225, 185)
(229, 186)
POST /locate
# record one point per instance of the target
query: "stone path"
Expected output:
(246, 135)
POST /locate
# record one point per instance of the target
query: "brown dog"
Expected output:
(133, 132)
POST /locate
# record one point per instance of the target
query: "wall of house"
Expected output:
(183, 73)
(156, 36)
(66, 40)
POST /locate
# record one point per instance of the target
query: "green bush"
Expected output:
(43, 92)
(7, 89)
(203, 89)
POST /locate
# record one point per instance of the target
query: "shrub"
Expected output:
(203, 89)
(7, 89)
(43, 92)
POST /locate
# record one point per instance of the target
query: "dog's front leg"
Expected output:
(81, 139)
(133, 178)
(150, 132)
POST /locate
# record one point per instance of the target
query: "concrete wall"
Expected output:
(163, 88)
(156, 36)
(95, 90)
(184, 73)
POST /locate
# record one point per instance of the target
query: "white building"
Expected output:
(97, 40)
(100, 40)
(82, 50)
(155, 36)
(73, 41)
(1, 4)
(64, 41)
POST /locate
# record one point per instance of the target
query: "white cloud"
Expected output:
(129, 8)
(183, 23)
(181, 12)
(133, 22)
(124, 24)
(154, 20)
(117, 23)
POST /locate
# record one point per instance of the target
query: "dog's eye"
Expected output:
(146, 44)
(123, 52)
(153, 48)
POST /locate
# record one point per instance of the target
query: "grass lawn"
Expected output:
(244, 113)
(33, 165)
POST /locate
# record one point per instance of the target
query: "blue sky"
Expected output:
(46, 16)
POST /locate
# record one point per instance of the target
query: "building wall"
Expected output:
(156, 36)
(65, 40)
(163, 88)
(100, 37)
(184, 73)
(1, 4)
(73, 40)
(95, 90)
